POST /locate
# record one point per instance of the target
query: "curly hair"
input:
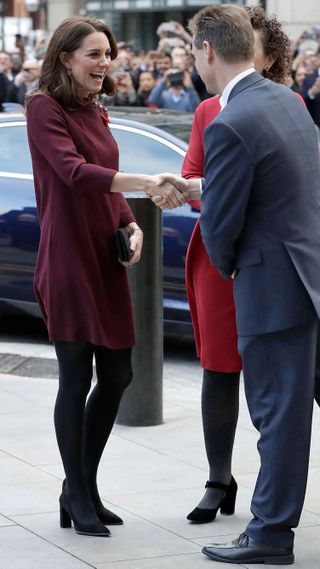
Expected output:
(275, 43)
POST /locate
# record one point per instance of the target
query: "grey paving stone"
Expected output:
(193, 561)
(150, 476)
(134, 540)
(21, 549)
(10, 362)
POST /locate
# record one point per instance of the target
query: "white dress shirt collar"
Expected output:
(228, 88)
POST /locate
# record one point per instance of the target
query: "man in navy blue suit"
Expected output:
(260, 223)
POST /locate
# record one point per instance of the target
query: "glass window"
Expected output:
(14, 155)
(144, 155)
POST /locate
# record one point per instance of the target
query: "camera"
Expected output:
(168, 27)
(176, 79)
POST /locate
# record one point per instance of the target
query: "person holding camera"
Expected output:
(125, 92)
(311, 90)
(175, 91)
(27, 79)
(147, 82)
(159, 63)
(7, 86)
(174, 29)
(170, 37)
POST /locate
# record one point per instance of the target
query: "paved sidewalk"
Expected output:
(150, 476)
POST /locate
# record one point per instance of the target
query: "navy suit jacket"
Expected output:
(260, 210)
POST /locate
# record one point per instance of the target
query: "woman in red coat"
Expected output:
(80, 284)
(211, 297)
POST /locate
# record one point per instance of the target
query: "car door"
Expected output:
(145, 152)
(19, 229)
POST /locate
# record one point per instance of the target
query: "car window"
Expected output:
(144, 154)
(14, 155)
(138, 153)
(182, 130)
(176, 123)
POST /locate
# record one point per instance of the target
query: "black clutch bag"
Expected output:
(122, 242)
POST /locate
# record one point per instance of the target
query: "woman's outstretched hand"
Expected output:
(167, 190)
(174, 191)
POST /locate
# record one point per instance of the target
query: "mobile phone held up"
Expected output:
(176, 79)
(168, 27)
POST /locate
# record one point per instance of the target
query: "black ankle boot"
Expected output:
(226, 505)
(83, 527)
(105, 516)
(108, 517)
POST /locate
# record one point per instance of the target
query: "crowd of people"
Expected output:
(165, 77)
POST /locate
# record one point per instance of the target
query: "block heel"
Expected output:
(228, 503)
(65, 520)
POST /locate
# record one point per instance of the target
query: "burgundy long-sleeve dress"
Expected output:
(81, 287)
(210, 296)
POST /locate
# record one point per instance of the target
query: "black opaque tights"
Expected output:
(83, 423)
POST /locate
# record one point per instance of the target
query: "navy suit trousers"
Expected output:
(317, 389)
(279, 376)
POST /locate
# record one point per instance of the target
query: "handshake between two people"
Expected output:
(169, 191)
(166, 190)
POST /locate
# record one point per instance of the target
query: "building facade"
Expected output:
(135, 21)
(297, 15)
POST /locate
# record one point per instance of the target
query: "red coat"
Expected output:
(80, 285)
(210, 296)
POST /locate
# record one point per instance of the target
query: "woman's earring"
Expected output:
(69, 72)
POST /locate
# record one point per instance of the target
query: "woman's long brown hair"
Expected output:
(68, 36)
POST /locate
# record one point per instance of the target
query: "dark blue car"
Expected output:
(159, 140)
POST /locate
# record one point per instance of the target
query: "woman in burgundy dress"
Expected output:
(80, 284)
(211, 297)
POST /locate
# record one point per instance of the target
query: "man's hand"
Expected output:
(190, 190)
(166, 190)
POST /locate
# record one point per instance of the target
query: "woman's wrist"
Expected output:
(132, 229)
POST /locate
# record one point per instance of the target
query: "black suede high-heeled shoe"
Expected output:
(226, 505)
(96, 529)
(105, 516)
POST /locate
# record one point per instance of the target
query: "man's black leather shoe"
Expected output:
(245, 550)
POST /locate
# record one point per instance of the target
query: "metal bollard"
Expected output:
(141, 405)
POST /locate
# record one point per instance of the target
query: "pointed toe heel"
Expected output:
(202, 515)
(226, 505)
(94, 529)
(108, 517)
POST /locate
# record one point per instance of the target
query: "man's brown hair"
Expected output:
(227, 28)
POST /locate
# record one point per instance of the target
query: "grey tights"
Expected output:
(220, 408)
